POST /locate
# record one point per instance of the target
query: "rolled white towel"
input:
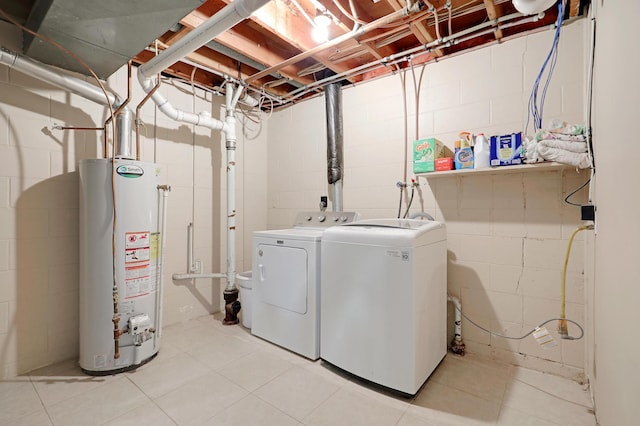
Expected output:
(579, 159)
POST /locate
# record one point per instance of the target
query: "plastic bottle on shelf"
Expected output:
(481, 152)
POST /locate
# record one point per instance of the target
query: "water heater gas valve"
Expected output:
(139, 324)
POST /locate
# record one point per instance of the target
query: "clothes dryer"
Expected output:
(286, 282)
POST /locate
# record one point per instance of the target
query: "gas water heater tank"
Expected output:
(129, 304)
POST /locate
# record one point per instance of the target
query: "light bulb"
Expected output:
(320, 34)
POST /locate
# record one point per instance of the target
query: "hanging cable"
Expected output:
(566, 200)
(413, 188)
(562, 321)
(536, 105)
(502, 336)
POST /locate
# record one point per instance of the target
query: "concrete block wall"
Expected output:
(39, 208)
(507, 232)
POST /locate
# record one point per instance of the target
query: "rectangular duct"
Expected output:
(104, 33)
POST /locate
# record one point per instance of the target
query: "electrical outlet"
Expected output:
(588, 212)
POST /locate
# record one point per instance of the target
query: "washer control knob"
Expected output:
(308, 218)
(343, 218)
(321, 218)
(336, 218)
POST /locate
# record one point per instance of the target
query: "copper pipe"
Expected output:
(79, 128)
(138, 108)
(106, 144)
(116, 331)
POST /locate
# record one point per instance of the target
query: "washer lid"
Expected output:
(390, 232)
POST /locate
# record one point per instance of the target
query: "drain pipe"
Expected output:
(333, 104)
(457, 345)
(226, 18)
(79, 87)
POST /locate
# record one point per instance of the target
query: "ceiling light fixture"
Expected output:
(321, 22)
(322, 18)
(532, 7)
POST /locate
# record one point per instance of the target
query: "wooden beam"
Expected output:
(233, 40)
(493, 15)
(418, 29)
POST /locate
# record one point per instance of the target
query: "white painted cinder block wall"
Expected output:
(39, 208)
(507, 233)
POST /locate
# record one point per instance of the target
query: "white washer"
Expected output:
(384, 300)
(286, 282)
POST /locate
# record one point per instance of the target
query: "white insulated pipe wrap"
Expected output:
(79, 87)
(229, 16)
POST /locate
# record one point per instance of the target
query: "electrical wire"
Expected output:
(536, 106)
(502, 336)
(566, 200)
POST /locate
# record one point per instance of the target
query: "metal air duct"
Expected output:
(333, 104)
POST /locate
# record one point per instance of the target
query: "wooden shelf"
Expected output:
(519, 168)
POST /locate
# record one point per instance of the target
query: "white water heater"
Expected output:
(119, 324)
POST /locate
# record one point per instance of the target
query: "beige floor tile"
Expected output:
(554, 385)
(39, 418)
(222, 350)
(161, 376)
(487, 380)
(251, 411)
(189, 335)
(328, 371)
(64, 381)
(539, 403)
(200, 399)
(442, 404)
(98, 405)
(297, 392)
(147, 414)
(512, 417)
(410, 419)
(255, 369)
(18, 398)
(351, 408)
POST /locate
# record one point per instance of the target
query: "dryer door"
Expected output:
(282, 279)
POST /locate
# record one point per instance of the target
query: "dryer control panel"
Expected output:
(323, 219)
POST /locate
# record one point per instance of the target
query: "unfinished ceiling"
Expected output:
(275, 53)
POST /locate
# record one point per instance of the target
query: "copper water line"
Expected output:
(79, 128)
(137, 123)
(117, 111)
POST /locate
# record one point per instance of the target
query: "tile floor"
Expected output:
(209, 374)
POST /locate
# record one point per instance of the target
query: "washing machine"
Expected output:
(384, 299)
(286, 282)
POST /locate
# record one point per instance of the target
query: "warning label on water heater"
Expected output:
(137, 264)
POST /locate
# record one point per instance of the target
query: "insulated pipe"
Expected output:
(333, 104)
(223, 20)
(457, 345)
(72, 84)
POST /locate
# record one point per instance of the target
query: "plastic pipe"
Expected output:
(230, 143)
(160, 265)
(457, 345)
(223, 20)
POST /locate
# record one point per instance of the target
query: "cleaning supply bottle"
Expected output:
(481, 152)
(463, 156)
